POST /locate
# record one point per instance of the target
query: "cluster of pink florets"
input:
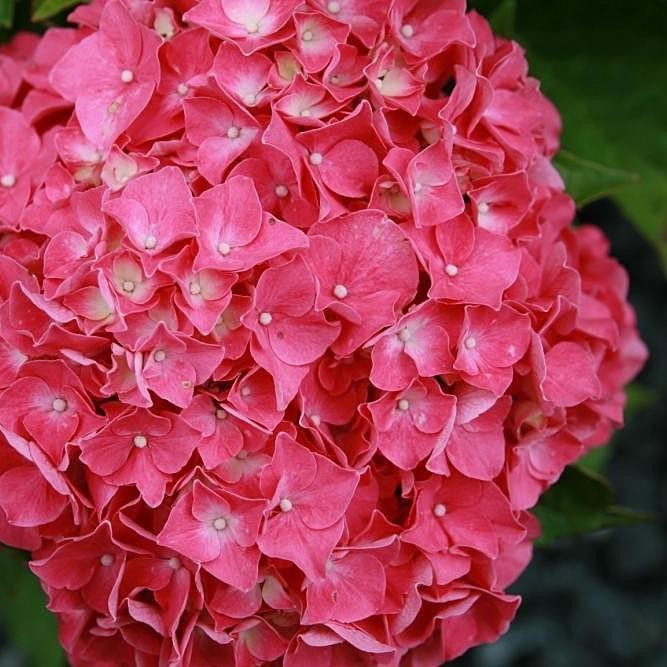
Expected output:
(294, 329)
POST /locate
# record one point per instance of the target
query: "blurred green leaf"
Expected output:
(640, 397)
(30, 626)
(587, 181)
(6, 13)
(597, 458)
(44, 9)
(502, 18)
(582, 501)
(603, 65)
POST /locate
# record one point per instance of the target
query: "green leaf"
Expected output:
(582, 501)
(587, 181)
(44, 9)
(23, 614)
(502, 19)
(596, 459)
(604, 67)
(640, 397)
(6, 13)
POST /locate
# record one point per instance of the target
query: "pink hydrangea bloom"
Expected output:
(292, 336)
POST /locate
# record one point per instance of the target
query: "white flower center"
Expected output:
(220, 523)
(340, 291)
(127, 76)
(439, 510)
(159, 356)
(451, 270)
(150, 242)
(106, 560)
(174, 563)
(128, 286)
(403, 404)
(407, 30)
(252, 27)
(335, 79)
(470, 342)
(182, 89)
(224, 248)
(164, 26)
(315, 419)
(221, 414)
(333, 7)
(140, 441)
(245, 391)
(286, 505)
(233, 132)
(404, 335)
(250, 99)
(306, 113)
(307, 36)
(195, 288)
(418, 188)
(265, 319)
(315, 158)
(483, 207)
(59, 404)
(8, 181)
(281, 191)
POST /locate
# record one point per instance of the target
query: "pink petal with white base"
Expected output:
(110, 75)
(252, 24)
(297, 481)
(316, 37)
(474, 266)
(222, 131)
(368, 299)
(502, 202)
(155, 210)
(434, 192)
(418, 345)
(491, 342)
(218, 530)
(234, 232)
(410, 424)
(243, 77)
(177, 363)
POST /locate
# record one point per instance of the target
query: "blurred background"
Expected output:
(595, 600)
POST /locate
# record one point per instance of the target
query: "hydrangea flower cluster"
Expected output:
(295, 329)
